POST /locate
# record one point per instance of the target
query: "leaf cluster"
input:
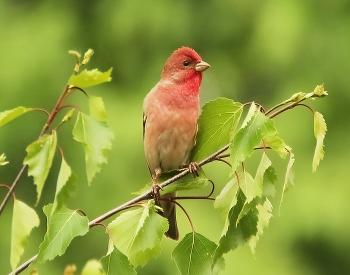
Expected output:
(135, 235)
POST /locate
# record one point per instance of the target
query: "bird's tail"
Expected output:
(170, 213)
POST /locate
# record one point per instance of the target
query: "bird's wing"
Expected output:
(144, 124)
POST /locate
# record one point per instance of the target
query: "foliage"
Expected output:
(136, 235)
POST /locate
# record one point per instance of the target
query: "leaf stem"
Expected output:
(183, 209)
(42, 110)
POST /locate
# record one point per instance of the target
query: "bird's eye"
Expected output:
(186, 63)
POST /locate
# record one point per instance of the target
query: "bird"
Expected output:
(170, 113)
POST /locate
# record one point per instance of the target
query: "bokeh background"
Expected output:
(263, 51)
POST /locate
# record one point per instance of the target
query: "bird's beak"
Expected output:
(202, 66)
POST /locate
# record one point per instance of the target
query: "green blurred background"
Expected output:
(261, 51)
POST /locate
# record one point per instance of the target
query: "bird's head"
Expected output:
(183, 65)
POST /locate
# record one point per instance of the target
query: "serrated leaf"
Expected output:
(3, 159)
(253, 109)
(9, 115)
(249, 137)
(69, 115)
(97, 108)
(66, 186)
(187, 182)
(237, 233)
(90, 78)
(320, 128)
(289, 178)
(274, 141)
(218, 119)
(39, 159)
(115, 263)
(248, 187)
(92, 267)
(263, 221)
(96, 138)
(257, 188)
(137, 233)
(24, 219)
(227, 198)
(193, 255)
(63, 226)
(269, 182)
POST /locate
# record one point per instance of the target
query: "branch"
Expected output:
(145, 196)
(44, 129)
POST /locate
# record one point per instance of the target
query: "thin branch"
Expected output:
(145, 196)
(7, 197)
(44, 129)
(220, 159)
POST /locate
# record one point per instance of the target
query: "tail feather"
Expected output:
(169, 212)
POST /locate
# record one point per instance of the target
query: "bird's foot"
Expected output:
(194, 168)
(155, 191)
(155, 186)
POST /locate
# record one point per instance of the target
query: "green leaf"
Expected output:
(193, 255)
(115, 263)
(39, 159)
(269, 182)
(251, 113)
(90, 78)
(218, 120)
(187, 182)
(289, 178)
(137, 233)
(24, 219)
(249, 187)
(3, 160)
(227, 198)
(274, 141)
(239, 231)
(66, 186)
(7, 116)
(92, 267)
(97, 108)
(96, 138)
(263, 221)
(320, 128)
(255, 189)
(247, 138)
(63, 226)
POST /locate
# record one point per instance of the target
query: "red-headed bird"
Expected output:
(171, 111)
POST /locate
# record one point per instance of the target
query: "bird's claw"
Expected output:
(155, 191)
(194, 167)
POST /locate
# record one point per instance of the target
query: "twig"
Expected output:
(45, 128)
(145, 196)
(7, 197)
